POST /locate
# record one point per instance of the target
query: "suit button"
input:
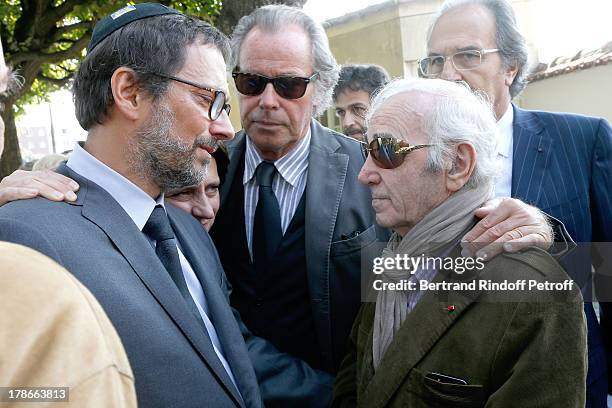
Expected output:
(258, 302)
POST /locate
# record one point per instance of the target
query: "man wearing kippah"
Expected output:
(42, 343)
(152, 94)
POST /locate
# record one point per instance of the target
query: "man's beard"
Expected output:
(159, 154)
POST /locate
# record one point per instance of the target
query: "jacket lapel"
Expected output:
(423, 326)
(236, 150)
(326, 176)
(219, 313)
(231, 211)
(101, 209)
(531, 155)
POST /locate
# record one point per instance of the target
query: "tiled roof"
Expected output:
(582, 60)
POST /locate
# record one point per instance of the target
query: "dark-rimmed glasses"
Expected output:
(432, 66)
(215, 97)
(387, 151)
(288, 87)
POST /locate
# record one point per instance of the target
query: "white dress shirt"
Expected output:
(139, 206)
(503, 182)
(288, 188)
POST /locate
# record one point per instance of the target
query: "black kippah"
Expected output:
(124, 16)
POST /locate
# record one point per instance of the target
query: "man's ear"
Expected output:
(128, 97)
(463, 167)
(510, 74)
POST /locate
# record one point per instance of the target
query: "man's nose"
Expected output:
(202, 208)
(449, 72)
(348, 120)
(221, 128)
(269, 99)
(368, 174)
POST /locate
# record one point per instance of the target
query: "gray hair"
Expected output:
(510, 42)
(273, 19)
(147, 46)
(456, 116)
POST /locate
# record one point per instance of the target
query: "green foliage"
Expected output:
(9, 12)
(206, 10)
(33, 51)
(39, 92)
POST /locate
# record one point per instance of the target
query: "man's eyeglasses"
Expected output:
(288, 87)
(215, 97)
(387, 151)
(432, 67)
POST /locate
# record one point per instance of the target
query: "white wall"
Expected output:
(587, 91)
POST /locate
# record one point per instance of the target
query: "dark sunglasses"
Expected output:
(387, 151)
(288, 87)
(215, 97)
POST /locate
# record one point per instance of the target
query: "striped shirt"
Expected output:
(288, 188)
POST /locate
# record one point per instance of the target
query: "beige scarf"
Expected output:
(441, 226)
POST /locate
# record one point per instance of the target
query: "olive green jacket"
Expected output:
(524, 354)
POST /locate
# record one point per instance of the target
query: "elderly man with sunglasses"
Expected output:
(561, 163)
(437, 343)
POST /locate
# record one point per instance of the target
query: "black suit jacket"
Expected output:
(339, 224)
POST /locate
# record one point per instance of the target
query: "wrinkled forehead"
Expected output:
(469, 26)
(277, 52)
(402, 116)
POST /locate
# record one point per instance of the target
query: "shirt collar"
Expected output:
(504, 143)
(134, 201)
(290, 166)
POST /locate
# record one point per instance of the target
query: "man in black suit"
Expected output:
(152, 95)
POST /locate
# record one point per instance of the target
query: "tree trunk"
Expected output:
(233, 10)
(11, 157)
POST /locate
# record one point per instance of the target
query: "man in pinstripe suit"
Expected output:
(561, 163)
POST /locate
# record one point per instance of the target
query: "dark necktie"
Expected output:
(267, 231)
(158, 228)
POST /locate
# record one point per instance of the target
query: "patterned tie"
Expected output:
(267, 231)
(158, 228)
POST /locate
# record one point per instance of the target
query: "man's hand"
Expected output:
(507, 225)
(28, 184)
